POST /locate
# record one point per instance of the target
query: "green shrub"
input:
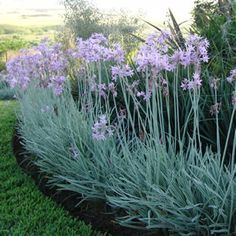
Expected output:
(6, 93)
(215, 20)
(2, 66)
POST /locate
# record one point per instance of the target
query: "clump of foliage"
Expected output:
(134, 137)
(6, 93)
(23, 209)
(2, 66)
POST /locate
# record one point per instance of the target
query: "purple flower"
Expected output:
(57, 83)
(215, 109)
(154, 53)
(196, 50)
(121, 71)
(102, 89)
(118, 54)
(196, 83)
(232, 76)
(214, 83)
(146, 96)
(177, 57)
(100, 129)
(197, 80)
(96, 49)
(112, 88)
(184, 84)
(41, 63)
(140, 94)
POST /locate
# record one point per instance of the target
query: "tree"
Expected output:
(83, 19)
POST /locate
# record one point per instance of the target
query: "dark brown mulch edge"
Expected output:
(98, 214)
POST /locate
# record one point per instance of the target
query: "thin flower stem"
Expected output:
(228, 134)
(177, 103)
(217, 126)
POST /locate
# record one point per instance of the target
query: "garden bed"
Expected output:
(98, 214)
(24, 210)
(131, 151)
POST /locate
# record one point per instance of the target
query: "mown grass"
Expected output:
(23, 209)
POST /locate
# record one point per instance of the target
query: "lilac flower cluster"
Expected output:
(21, 69)
(100, 130)
(195, 83)
(214, 83)
(47, 64)
(96, 49)
(145, 95)
(112, 88)
(196, 50)
(101, 88)
(155, 53)
(57, 84)
(232, 76)
(121, 71)
(215, 109)
(231, 79)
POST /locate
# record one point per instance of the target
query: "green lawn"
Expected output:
(23, 209)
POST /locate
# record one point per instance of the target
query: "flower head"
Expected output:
(43, 63)
(121, 71)
(232, 76)
(96, 49)
(215, 109)
(195, 83)
(154, 53)
(101, 131)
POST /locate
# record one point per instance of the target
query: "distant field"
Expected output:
(25, 36)
(29, 26)
(32, 17)
(29, 33)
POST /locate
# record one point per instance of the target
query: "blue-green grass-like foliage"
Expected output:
(23, 209)
(6, 93)
(185, 191)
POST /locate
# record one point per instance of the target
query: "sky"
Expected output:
(24, 4)
(152, 10)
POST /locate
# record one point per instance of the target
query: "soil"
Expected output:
(96, 213)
